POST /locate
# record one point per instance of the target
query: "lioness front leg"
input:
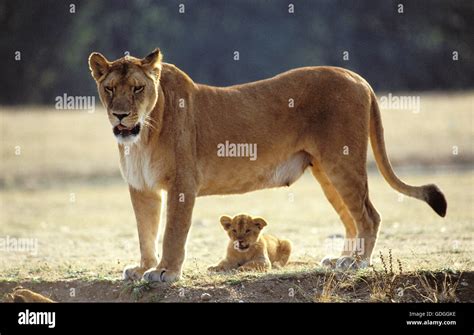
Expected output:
(147, 206)
(180, 205)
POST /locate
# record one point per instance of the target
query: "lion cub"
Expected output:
(250, 250)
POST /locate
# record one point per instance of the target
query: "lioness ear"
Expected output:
(98, 64)
(259, 222)
(153, 60)
(226, 221)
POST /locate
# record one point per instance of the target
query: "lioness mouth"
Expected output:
(124, 131)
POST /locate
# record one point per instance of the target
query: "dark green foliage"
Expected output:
(409, 51)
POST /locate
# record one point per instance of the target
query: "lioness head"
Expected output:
(243, 230)
(128, 89)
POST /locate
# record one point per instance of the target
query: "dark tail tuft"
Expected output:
(435, 198)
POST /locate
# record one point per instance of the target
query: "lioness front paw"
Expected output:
(161, 275)
(133, 272)
(351, 263)
(344, 263)
(329, 262)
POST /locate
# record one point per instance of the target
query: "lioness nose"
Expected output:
(120, 116)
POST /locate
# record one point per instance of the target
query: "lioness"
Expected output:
(250, 250)
(169, 129)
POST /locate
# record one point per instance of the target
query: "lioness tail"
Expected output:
(428, 193)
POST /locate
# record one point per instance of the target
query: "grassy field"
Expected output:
(60, 186)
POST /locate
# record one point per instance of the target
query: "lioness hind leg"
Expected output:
(351, 185)
(340, 207)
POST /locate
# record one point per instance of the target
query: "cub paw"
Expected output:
(277, 265)
(161, 275)
(216, 268)
(254, 267)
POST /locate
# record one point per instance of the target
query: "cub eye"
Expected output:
(247, 231)
(109, 89)
(234, 231)
(138, 89)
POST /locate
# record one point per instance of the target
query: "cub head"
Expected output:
(243, 230)
(128, 89)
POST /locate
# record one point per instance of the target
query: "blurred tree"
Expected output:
(412, 50)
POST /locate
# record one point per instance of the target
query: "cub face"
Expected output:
(128, 89)
(243, 230)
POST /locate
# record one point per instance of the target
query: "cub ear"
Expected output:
(226, 221)
(259, 222)
(153, 60)
(98, 64)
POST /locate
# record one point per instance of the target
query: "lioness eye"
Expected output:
(109, 89)
(138, 89)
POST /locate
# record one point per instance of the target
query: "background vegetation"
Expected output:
(393, 51)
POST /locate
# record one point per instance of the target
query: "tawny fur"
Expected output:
(314, 116)
(21, 294)
(248, 249)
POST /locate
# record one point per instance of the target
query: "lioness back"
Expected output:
(293, 107)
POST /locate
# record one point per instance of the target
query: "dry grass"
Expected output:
(96, 234)
(65, 191)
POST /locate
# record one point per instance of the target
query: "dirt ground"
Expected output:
(293, 286)
(60, 189)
